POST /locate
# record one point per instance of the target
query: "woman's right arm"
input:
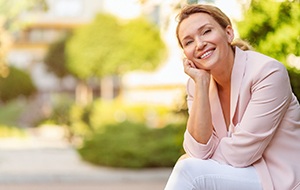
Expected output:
(199, 125)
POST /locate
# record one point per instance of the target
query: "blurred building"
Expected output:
(43, 28)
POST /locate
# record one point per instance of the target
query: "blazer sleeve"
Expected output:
(270, 97)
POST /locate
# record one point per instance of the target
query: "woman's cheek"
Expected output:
(188, 54)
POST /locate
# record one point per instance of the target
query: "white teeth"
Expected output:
(206, 54)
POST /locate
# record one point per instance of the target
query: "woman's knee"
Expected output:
(184, 164)
(181, 177)
(190, 166)
(182, 157)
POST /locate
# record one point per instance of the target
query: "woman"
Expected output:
(243, 130)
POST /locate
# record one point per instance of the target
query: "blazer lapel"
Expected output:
(236, 80)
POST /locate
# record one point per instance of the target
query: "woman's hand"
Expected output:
(198, 75)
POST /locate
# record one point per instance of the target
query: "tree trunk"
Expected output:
(107, 88)
(84, 94)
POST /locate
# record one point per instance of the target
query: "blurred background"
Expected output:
(102, 81)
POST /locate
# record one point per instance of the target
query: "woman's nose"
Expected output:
(201, 44)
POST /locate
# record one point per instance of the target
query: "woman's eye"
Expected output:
(206, 31)
(188, 43)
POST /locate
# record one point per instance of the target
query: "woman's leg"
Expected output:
(197, 174)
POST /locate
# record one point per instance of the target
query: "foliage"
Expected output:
(80, 126)
(295, 81)
(273, 30)
(107, 46)
(17, 83)
(85, 120)
(55, 59)
(134, 145)
(135, 136)
(142, 47)
(115, 134)
(91, 45)
(11, 112)
(107, 112)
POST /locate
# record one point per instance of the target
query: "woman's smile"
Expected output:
(206, 54)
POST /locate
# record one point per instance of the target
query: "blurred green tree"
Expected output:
(91, 45)
(141, 47)
(110, 47)
(55, 58)
(17, 83)
(272, 27)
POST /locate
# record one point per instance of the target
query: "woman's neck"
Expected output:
(222, 75)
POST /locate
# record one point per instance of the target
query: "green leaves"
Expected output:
(133, 145)
(272, 27)
(55, 58)
(144, 49)
(17, 83)
(107, 46)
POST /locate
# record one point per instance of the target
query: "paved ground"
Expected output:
(41, 163)
(64, 186)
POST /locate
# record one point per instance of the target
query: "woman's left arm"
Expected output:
(270, 97)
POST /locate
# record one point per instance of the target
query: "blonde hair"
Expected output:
(217, 15)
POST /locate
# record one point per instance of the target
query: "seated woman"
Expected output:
(243, 130)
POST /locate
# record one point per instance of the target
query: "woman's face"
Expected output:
(204, 41)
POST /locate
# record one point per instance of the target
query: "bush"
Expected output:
(80, 126)
(295, 81)
(134, 145)
(17, 83)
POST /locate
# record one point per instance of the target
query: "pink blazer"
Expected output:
(265, 123)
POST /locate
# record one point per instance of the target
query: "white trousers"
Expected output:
(197, 174)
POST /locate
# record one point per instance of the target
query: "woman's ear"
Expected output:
(230, 33)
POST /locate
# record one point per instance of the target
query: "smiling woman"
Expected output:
(243, 129)
(202, 33)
